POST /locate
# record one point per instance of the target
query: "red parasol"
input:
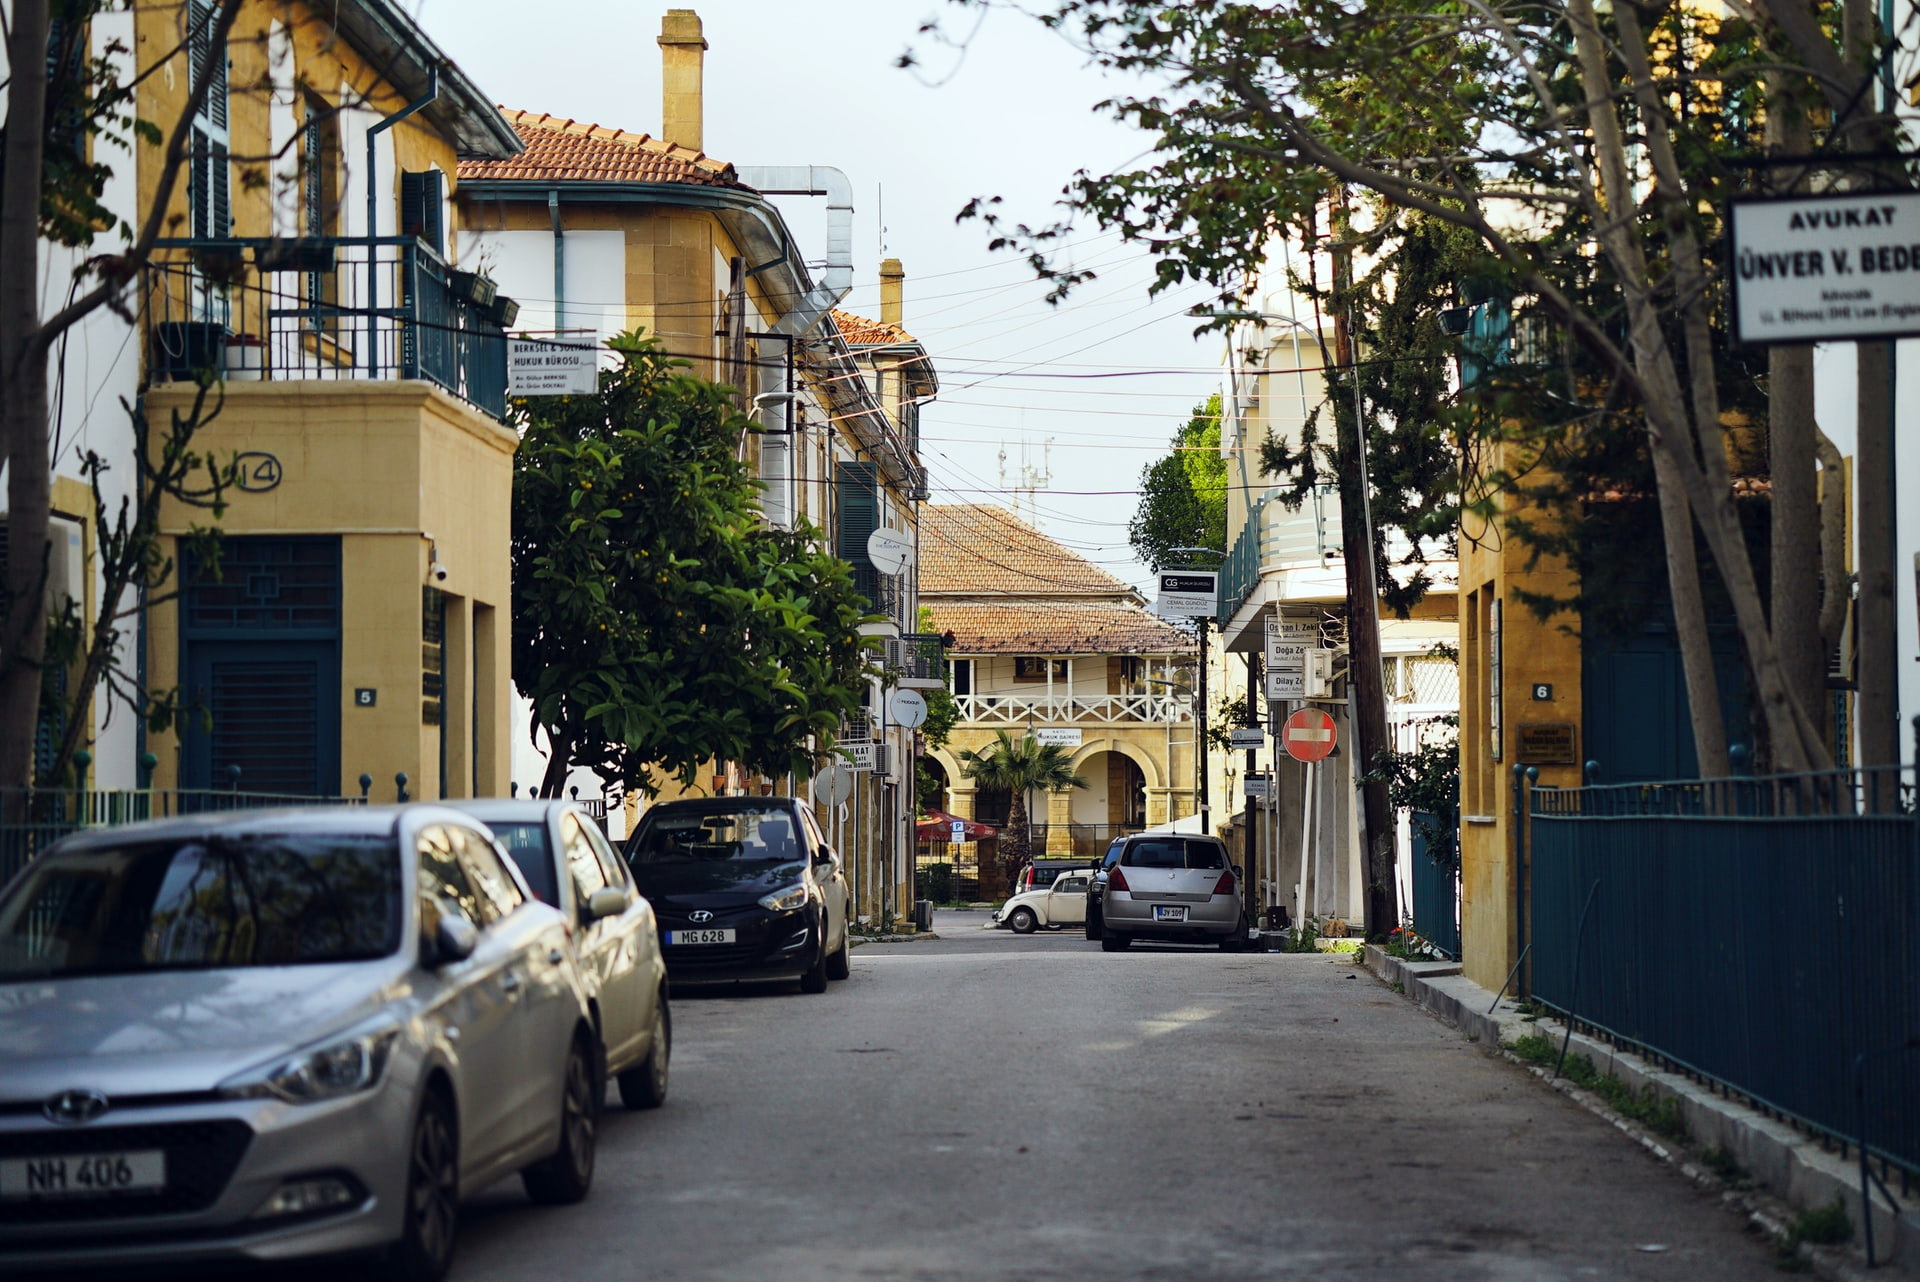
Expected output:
(937, 825)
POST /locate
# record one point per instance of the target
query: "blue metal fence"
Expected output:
(1761, 933)
(31, 822)
(1436, 883)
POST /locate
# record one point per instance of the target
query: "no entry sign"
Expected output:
(1308, 735)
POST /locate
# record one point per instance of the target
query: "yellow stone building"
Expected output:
(357, 623)
(1047, 643)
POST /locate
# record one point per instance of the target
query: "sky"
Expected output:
(1073, 400)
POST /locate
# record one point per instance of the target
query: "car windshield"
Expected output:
(1172, 852)
(204, 902)
(527, 843)
(669, 835)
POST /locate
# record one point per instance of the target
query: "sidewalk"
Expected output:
(1769, 1172)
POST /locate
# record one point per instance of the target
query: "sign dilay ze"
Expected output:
(1817, 268)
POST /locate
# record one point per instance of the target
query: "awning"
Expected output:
(937, 824)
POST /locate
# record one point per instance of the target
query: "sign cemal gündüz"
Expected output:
(1188, 594)
(1825, 268)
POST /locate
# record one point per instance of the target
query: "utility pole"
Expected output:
(1363, 613)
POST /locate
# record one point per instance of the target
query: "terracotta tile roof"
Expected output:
(1055, 627)
(862, 332)
(566, 150)
(977, 549)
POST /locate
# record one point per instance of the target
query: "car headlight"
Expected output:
(341, 1066)
(787, 900)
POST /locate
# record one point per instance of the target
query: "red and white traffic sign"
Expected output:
(1308, 735)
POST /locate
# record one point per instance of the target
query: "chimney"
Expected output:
(682, 52)
(892, 277)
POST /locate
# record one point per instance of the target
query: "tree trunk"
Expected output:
(23, 400)
(559, 763)
(1380, 908)
(1794, 536)
(1879, 702)
(1015, 845)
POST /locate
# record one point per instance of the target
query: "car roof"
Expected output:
(346, 819)
(525, 809)
(699, 805)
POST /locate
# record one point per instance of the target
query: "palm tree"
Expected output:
(1018, 766)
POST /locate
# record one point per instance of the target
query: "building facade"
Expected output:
(1045, 643)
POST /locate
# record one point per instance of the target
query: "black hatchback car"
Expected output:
(743, 888)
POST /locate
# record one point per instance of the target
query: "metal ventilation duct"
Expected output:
(837, 279)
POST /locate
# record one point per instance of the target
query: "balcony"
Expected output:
(919, 661)
(1021, 709)
(887, 597)
(369, 309)
(1275, 536)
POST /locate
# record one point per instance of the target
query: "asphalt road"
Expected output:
(991, 1106)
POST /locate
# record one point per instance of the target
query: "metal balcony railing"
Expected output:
(319, 308)
(1275, 535)
(1017, 709)
(918, 661)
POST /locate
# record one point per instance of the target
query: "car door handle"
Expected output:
(510, 983)
(555, 956)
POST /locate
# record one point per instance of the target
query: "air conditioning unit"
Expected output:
(1320, 672)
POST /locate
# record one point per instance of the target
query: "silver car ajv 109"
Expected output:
(272, 1034)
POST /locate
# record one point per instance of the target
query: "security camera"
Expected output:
(436, 573)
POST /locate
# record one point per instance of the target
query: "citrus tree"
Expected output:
(659, 624)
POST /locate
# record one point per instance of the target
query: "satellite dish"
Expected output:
(833, 785)
(889, 550)
(907, 708)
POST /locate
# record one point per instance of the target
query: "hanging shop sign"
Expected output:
(1809, 269)
(565, 366)
(1188, 594)
(1289, 637)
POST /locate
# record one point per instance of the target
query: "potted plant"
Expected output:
(473, 287)
(295, 254)
(504, 311)
(246, 358)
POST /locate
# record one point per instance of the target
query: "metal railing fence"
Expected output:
(31, 821)
(1436, 886)
(1759, 933)
(325, 308)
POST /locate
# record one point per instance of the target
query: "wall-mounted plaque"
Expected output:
(1546, 743)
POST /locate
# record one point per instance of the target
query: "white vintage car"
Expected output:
(1064, 903)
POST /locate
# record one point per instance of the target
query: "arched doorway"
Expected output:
(1113, 803)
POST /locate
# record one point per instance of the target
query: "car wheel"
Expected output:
(645, 1086)
(814, 980)
(1114, 941)
(840, 961)
(567, 1175)
(1023, 921)
(425, 1249)
(1093, 924)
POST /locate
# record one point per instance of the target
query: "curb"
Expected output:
(1793, 1170)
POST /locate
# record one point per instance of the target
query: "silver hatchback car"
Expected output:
(273, 1034)
(568, 863)
(1171, 887)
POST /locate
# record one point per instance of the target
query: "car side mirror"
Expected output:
(823, 855)
(608, 901)
(454, 939)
